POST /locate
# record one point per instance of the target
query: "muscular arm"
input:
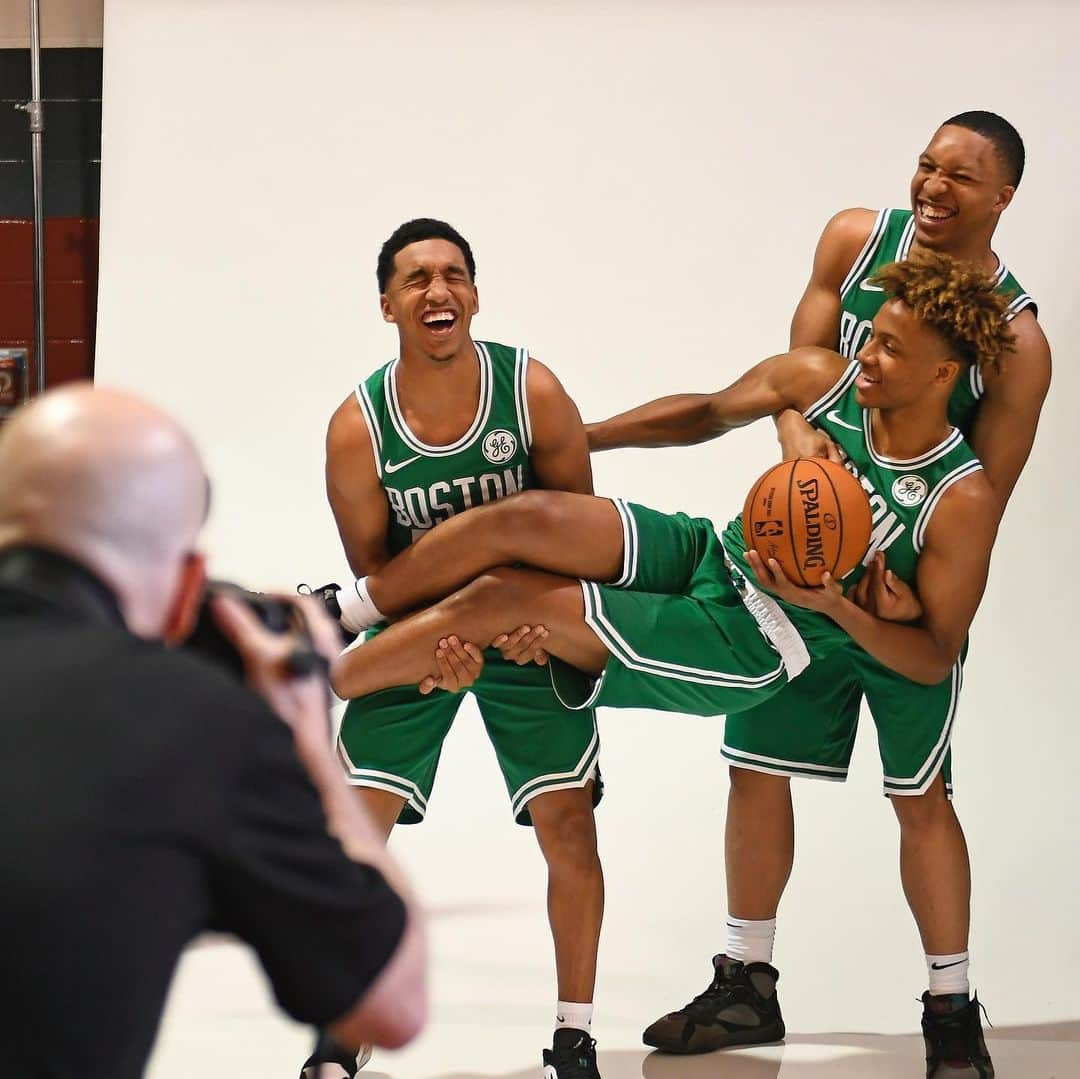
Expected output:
(356, 497)
(560, 450)
(1009, 412)
(784, 381)
(950, 579)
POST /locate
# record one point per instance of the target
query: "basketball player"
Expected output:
(679, 625)
(454, 423)
(964, 180)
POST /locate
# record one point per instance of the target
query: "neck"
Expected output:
(974, 249)
(909, 431)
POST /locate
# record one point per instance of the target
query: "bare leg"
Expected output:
(383, 807)
(935, 870)
(492, 604)
(566, 831)
(759, 843)
(574, 535)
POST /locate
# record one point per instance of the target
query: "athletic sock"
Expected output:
(750, 941)
(574, 1015)
(948, 974)
(358, 610)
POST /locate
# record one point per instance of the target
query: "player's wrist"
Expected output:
(358, 610)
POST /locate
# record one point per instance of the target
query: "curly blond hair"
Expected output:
(957, 299)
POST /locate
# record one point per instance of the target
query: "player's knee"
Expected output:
(747, 783)
(922, 812)
(567, 835)
(530, 513)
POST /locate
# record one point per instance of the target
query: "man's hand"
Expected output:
(798, 438)
(524, 645)
(301, 701)
(882, 594)
(827, 599)
(460, 664)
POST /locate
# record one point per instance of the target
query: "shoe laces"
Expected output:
(952, 1034)
(720, 991)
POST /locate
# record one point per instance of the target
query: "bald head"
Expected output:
(107, 478)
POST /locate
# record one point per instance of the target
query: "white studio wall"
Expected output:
(643, 185)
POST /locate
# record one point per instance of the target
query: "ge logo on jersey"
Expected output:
(909, 490)
(499, 446)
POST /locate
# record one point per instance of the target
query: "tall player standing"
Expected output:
(450, 424)
(965, 179)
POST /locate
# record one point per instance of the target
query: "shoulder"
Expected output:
(968, 507)
(545, 392)
(1025, 370)
(348, 430)
(846, 232)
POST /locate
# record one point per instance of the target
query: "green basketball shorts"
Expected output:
(684, 634)
(392, 740)
(808, 728)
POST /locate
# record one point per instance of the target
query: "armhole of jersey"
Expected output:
(918, 533)
(866, 255)
(835, 392)
(367, 410)
(976, 382)
(1021, 303)
(521, 397)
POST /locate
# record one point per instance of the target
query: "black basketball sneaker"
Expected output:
(955, 1047)
(739, 1007)
(327, 595)
(329, 1060)
(572, 1056)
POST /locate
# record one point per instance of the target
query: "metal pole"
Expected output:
(37, 130)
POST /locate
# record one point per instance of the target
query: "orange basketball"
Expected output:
(812, 516)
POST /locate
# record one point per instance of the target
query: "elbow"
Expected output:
(937, 669)
(338, 677)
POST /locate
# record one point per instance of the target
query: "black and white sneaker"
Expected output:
(739, 1007)
(572, 1056)
(952, 1030)
(327, 595)
(329, 1060)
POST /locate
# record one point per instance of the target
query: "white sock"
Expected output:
(569, 1013)
(358, 610)
(948, 974)
(750, 941)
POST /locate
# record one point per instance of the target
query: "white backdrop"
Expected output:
(643, 185)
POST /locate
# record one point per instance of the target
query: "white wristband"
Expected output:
(358, 611)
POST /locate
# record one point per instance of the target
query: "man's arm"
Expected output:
(785, 381)
(560, 450)
(356, 496)
(817, 320)
(950, 579)
(1008, 415)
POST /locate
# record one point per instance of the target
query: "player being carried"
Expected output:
(965, 179)
(450, 424)
(677, 623)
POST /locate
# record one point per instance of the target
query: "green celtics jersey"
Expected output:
(890, 241)
(903, 494)
(426, 484)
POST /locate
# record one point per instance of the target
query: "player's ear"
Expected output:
(184, 611)
(947, 371)
(475, 301)
(1004, 197)
(384, 306)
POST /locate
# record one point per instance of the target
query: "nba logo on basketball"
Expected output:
(768, 528)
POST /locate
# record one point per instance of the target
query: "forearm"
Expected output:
(680, 420)
(907, 649)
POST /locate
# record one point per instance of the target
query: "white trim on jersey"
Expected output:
(625, 654)
(521, 397)
(1019, 303)
(947, 445)
(866, 255)
(630, 544)
(906, 238)
(384, 781)
(738, 762)
(367, 410)
(578, 776)
(920, 783)
(1001, 272)
(483, 410)
(975, 380)
(918, 532)
(835, 392)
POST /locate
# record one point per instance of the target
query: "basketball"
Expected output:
(812, 516)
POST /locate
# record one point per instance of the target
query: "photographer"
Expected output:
(147, 795)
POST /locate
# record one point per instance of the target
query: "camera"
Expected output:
(277, 615)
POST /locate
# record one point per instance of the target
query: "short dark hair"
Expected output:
(1005, 137)
(422, 228)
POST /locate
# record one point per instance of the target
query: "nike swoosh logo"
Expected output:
(834, 417)
(867, 287)
(391, 469)
(945, 966)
